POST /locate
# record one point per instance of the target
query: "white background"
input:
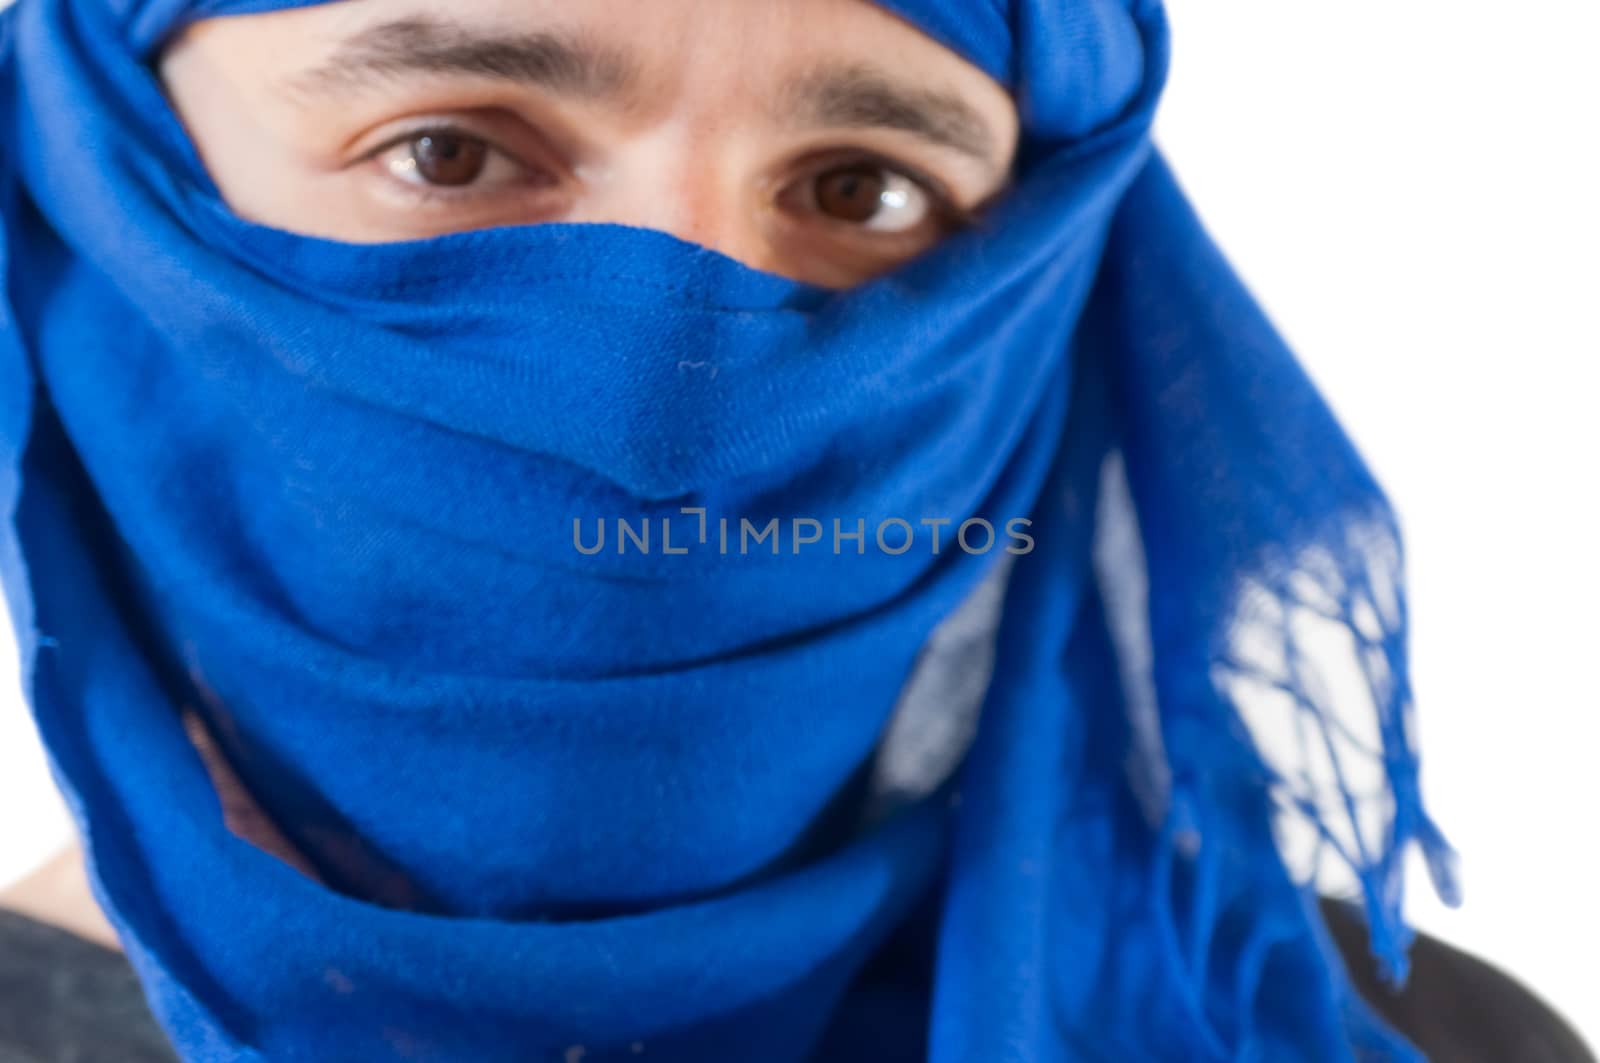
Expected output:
(1411, 187)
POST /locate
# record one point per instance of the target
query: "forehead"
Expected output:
(772, 58)
(706, 36)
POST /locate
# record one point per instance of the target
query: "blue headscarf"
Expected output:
(558, 804)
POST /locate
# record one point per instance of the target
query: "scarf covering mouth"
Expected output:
(557, 805)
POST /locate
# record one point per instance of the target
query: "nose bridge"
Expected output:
(689, 181)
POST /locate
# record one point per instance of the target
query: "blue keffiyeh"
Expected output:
(340, 502)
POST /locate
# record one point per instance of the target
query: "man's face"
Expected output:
(825, 140)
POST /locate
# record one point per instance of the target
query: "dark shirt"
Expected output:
(1455, 1008)
(65, 1000)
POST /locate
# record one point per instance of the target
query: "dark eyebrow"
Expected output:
(857, 96)
(557, 62)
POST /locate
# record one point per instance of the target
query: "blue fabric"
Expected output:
(563, 806)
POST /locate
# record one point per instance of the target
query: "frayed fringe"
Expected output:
(1315, 665)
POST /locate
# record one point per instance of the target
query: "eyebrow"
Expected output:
(559, 63)
(854, 95)
(857, 96)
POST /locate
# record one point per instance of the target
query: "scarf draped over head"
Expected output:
(334, 507)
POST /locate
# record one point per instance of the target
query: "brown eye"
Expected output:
(450, 166)
(443, 158)
(853, 194)
(872, 197)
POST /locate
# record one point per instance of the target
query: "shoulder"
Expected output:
(1455, 1006)
(64, 998)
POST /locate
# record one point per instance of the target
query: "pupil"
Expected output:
(854, 194)
(447, 159)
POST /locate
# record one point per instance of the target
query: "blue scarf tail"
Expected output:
(319, 504)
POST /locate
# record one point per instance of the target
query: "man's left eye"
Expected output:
(869, 195)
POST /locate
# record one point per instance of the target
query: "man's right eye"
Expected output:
(441, 158)
(446, 159)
